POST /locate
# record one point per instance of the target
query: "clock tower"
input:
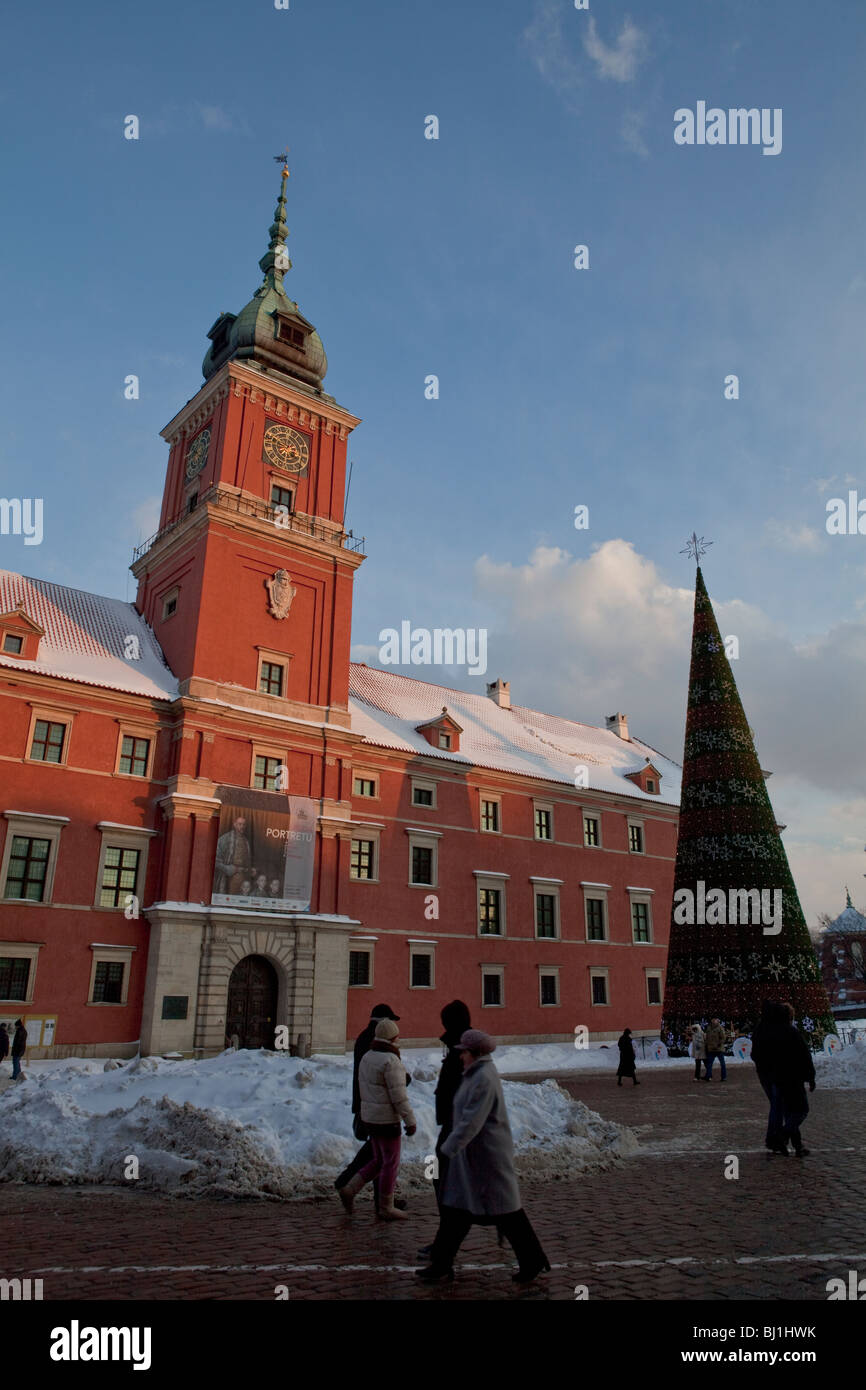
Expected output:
(253, 502)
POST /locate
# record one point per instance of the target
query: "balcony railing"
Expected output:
(252, 506)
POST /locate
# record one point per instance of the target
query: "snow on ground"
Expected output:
(847, 1069)
(258, 1124)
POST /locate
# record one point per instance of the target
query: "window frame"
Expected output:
(496, 972)
(634, 822)
(142, 731)
(362, 775)
(110, 955)
(123, 837)
(549, 972)
(485, 879)
(170, 596)
(23, 950)
(362, 945)
(424, 839)
(365, 837)
(599, 972)
(493, 799)
(598, 892)
(423, 784)
(423, 948)
(595, 816)
(51, 715)
(542, 807)
(32, 826)
(641, 897)
(654, 973)
(549, 888)
(268, 750)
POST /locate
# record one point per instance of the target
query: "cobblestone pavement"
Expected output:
(664, 1225)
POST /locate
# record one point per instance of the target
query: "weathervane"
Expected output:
(696, 546)
(284, 160)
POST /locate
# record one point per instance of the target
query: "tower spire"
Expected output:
(275, 262)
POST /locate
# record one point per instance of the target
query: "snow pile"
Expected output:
(846, 1069)
(256, 1124)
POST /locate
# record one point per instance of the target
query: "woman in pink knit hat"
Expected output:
(480, 1185)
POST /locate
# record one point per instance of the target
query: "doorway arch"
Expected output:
(251, 1010)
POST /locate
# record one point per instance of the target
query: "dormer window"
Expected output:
(288, 333)
(19, 635)
(442, 732)
(648, 778)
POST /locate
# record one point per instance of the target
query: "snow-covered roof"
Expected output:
(387, 708)
(850, 922)
(86, 638)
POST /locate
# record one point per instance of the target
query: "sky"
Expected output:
(602, 387)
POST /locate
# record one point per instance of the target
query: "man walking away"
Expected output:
(794, 1069)
(19, 1047)
(627, 1065)
(716, 1040)
(766, 1040)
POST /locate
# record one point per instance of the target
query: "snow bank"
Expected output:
(256, 1124)
(846, 1069)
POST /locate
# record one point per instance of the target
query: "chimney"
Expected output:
(500, 693)
(618, 724)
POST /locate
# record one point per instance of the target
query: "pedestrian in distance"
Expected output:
(480, 1185)
(699, 1048)
(4, 1042)
(363, 1043)
(19, 1047)
(627, 1065)
(716, 1040)
(766, 1041)
(384, 1103)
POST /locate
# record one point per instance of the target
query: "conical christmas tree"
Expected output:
(731, 868)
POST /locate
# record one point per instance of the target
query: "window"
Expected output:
(192, 502)
(27, 870)
(444, 739)
(591, 831)
(651, 785)
(640, 925)
(423, 793)
(598, 986)
(359, 968)
(12, 644)
(169, 604)
(595, 926)
(490, 911)
(493, 986)
(119, 875)
(134, 755)
(48, 738)
(282, 497)
(14, 977)
(266, 773)
(489, 814)
(363, 860)
(654, 987)
(543, 823)
(271, 677)
(421, 969)
(422, 864)
(635, 838)
(549, 987)
(365, 786)
(108, 982)
(545, 915)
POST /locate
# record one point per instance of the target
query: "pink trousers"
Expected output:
(384, 1165)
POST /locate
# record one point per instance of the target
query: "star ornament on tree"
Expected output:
(696, 546)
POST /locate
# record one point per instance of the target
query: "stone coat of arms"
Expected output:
(281, 593)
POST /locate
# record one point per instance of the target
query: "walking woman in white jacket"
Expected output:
(384, 1103)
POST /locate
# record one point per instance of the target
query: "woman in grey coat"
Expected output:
(480, 1185)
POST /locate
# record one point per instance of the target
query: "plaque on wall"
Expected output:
(175, 1005)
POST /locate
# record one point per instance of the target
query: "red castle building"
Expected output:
(212, 823)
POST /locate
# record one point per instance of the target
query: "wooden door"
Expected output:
(252, 1002)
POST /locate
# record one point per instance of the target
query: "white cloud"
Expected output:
(789, 537)
(215, 118)
(585, 637)
(548, 49)
(622, 59)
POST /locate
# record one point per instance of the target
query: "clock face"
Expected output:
(287, 449)
(196, 455)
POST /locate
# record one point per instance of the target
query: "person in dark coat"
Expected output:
(455, 1020)
(4, 1042)
(627, 1065)
(481, 1185)
(19, 1047)
(363, 1043)
(765, 1040)
(785, 1061)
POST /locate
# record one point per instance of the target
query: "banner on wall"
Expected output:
(265, 851)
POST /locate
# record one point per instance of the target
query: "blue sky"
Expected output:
(455, 257)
